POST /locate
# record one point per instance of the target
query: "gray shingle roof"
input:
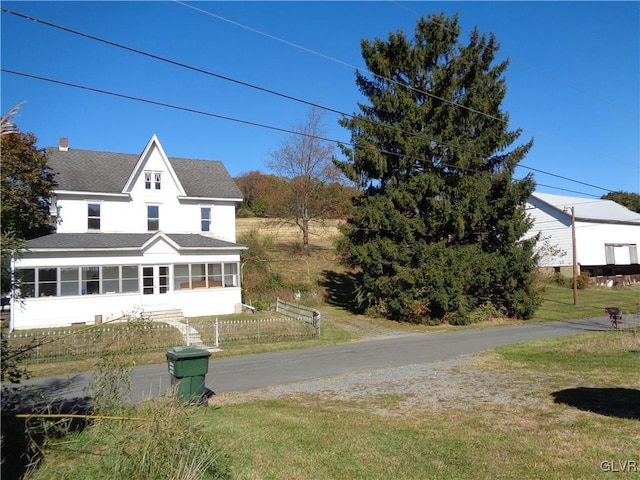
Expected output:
(590, 209)
(107, 241)
(106, 172)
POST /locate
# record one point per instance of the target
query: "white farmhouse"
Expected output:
(133, 232)
(607, 235)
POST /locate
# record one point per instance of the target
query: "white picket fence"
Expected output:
(75, 344)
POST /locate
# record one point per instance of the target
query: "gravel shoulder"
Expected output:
(419, 385)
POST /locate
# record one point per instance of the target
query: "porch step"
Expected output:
(174, 315)
(175, 318)
(190, 334)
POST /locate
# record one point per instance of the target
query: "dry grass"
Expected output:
(321, 236)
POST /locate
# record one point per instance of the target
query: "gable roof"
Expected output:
(153, 144)
(590, 209)
(126, 241)
(106, 172)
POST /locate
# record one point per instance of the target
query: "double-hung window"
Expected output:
(621, 253)
(210, 275)
(205, 219)
(71, 281)
(153, 218)
(93, 214)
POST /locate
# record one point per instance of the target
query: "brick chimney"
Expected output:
(64, 145)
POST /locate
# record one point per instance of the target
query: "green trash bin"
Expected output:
(188, 367)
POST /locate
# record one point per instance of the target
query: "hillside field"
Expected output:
(321, 236)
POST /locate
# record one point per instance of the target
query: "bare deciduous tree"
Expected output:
(306, 160)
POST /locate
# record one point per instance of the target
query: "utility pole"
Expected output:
(575, 255)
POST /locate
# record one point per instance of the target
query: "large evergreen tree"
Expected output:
(437, 234)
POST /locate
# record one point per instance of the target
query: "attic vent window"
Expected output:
(152, 178)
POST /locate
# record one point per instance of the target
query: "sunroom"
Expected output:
(61, 280)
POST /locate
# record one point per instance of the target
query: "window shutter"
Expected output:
(609, 253)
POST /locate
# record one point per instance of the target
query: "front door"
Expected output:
(155, 280)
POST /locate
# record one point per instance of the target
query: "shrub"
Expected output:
(244, 212)
(582, 281)
(559, 279)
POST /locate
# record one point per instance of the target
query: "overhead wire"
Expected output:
(354, 67)
(167, 60)
(228, 118)
(341, 62)
(161, 104)
(249, 85)
(537, 70)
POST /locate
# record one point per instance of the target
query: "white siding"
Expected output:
(591, 237)
(555, 231)
(51, 312)
(62, 311)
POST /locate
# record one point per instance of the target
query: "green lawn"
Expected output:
(558, 302)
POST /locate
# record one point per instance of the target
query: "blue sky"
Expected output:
(573, 80)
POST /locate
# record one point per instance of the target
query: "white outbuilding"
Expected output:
(606, 236)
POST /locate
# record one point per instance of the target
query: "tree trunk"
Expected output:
(305, 235)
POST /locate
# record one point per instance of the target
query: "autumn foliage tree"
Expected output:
(27, 185)
(260, 192)
(26, 188)
(437, 234)
(264, 195)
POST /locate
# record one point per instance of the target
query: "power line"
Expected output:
(265, 90)
(223, 77)
(335, 60)
(341, 62)
(568, 190)
(255, 124)
(537, 70)
(163, 104)
(167, 60)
